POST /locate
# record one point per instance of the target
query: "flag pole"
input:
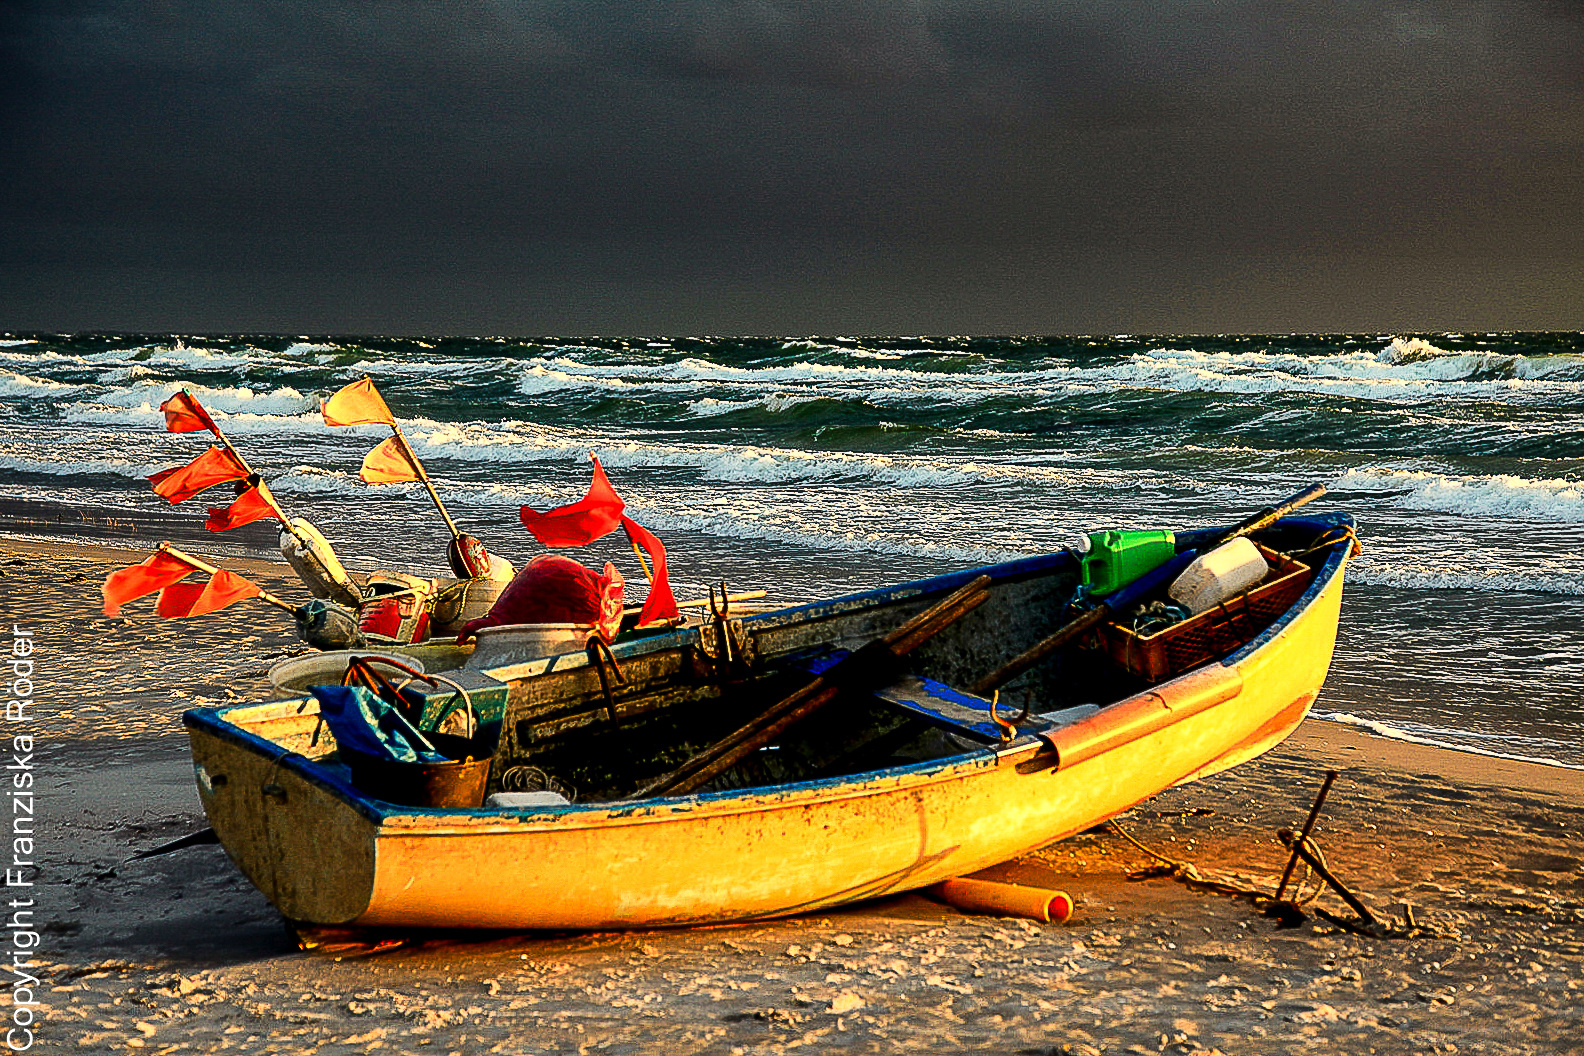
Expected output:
(204, 566)
(641, 562)
(637, 550)
(423, 477)
(269, 496)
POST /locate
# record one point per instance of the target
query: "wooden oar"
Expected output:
(1135, 592)
(872, 665)
(699, 603)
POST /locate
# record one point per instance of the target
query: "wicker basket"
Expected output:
(1228, 626)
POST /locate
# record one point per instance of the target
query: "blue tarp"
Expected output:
(364, 723)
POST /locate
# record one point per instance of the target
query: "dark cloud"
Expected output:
(828, 164)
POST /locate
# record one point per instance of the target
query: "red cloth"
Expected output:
(195, 599)
(660, 606)
(556, 589)
(592, 517)
(252, 505)
(184, 414)
(129, 584)
(214, 466)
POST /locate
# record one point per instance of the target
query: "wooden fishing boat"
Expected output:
(905, 778)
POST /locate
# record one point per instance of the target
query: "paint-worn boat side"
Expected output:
(294, 831)
(324, 854)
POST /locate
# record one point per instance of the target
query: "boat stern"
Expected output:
(299, 838)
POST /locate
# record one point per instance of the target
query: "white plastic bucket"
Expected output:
(325, 669)
(513, 643)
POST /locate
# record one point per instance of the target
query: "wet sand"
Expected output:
(179, 954)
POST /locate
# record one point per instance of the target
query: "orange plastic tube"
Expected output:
(991, 898)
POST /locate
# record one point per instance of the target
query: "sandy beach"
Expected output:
(1475, 864)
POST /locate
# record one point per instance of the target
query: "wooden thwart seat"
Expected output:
(950, 709)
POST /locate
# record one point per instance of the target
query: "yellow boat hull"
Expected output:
(328, 858)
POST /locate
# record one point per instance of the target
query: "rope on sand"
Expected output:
(1290, 914)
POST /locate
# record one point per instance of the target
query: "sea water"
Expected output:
(818, 466)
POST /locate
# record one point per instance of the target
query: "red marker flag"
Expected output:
(136, 581)
(184, 414)
(660, 606)
(387, 464)
(252, 505)
(214, 466)
(592, 517)
(196, 599)
(357, 404)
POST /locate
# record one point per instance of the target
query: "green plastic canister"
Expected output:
(1113, 559)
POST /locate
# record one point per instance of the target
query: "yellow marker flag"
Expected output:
(358, 404)
(387, 464)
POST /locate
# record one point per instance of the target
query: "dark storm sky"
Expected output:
(823, 166)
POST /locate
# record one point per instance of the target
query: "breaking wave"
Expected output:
(1558, 501)
(20, 386)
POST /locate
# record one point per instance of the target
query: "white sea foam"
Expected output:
(1411, 350)
(13, 384)
(76, 467)
(400, 371)
(1456, 741)
(122, 375)
(38, 359)
(1407, 371)
(870, 384)
(1439, 575)
(1556, 501)
(710, 407)
(144, 397)
(774, 403)
(316, 480)
(197, 358)
(1412, 373)
(10, 342)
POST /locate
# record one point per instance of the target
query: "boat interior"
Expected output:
(632, 721)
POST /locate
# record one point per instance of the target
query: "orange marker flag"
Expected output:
(357, 404)
(196, 599)
(184, 414)
(592, 517)
(129, 584)
(660, 605)
(214, 466)
(252, 505)
(387, 464)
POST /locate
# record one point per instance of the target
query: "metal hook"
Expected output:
(599, 651)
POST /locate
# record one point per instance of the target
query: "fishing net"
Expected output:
(556, 589)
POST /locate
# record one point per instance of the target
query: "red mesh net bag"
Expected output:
(556, 589)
